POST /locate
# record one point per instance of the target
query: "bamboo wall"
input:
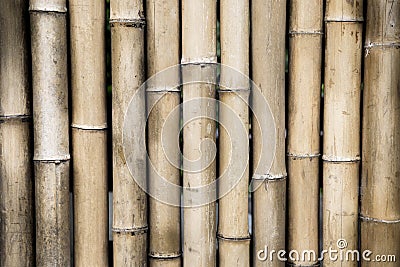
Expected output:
(173, 133)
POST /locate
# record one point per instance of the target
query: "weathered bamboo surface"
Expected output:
(268, 73)
(380, 183)
(233, 226)
(89, 136)
(163, 51)
(16, 191)
(51, 138)
(129, 200)
(199, 41)
(305, 52)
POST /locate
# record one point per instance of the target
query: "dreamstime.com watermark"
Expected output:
(340, 253)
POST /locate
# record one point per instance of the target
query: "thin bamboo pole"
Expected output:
(51, 138)
(305, 47)
(380, 183)
(233, 226)
(198, 53)
(268, 73)
(163, 52)
(16, 196)
(89, 122)
(129, 200)
(341, 140)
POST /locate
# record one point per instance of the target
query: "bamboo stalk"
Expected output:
(380, 183)
(305, 46)
(268, 73)
(89, 143)
(163, 51)
(341, 125)
(233, 227)
(129, 200)
(16, 191)
(51, 138)
(198, 55)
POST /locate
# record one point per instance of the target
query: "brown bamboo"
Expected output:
(198, 54)
(89, 144)
(16, 191)
(268, 73)
(341, 140)
(233, 226)
(380, 183)
(50, 125)
(129, 200)
(162, 52)
(305, 47)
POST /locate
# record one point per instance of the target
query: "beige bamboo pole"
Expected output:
(50, 125)
(341, 140)
(163, 38)
(89, 122)
(129, 200)
(305, 47)
(380, 183)
(16, 196)
(268, 73)
(233, 226)
(199, 54)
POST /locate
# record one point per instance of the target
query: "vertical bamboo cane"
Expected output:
(305, 33)
(380, 183)
(163, 52)
(89, 148)
(268, 67)
(233, 227)
(341, 125)
(129, 200)
(51, 138)
(16, 203)
(199, 52)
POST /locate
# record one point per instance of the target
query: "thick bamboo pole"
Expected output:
(16, 203)
(163, 43)
(51, 138)
(305, 42)
(268, 73)
(129, 200)
(89, 144)
(380, 183)
(233, 227)
(341, 140)
(199, 54)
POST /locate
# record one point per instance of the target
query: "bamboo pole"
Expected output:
(129, 200)
(163, 38)
(199, 54)
(305, 46)
(341, 125)
(16, 196)
(233, 226)
(50, 125)
(380, 183)
(268, 73)
(89, 122)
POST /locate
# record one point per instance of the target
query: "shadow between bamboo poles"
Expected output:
(129, 200)
(380, 183)
(51, 138)
(199, 49)
(16, 195)
(341, 146)
(163, 42)
(268, 73)
(89, 140)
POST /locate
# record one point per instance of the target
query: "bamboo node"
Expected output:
(47, 8)
(52, 159)
(166, 89)
(370, 219)
(372, 45)
(199, 61)
(131, 231)
(270, 177)
(331, 158)
(237, 239)
(306, 32)
(165, 256)
(305, 155)
(223, 89)
(4, 118)
(89, 127)
(359, 19)
(134, 23)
